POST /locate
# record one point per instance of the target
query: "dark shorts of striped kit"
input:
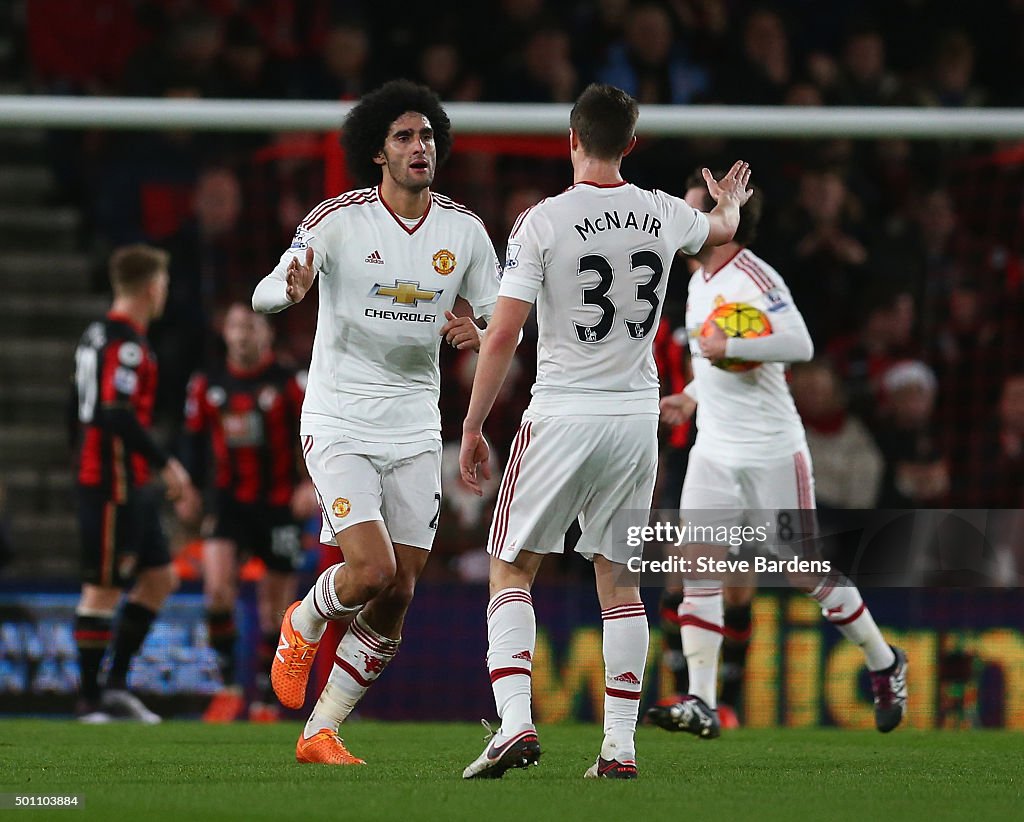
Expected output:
(269, 532)
(120, 539)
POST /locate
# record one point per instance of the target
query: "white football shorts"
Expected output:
(599, 469)
(718, 494)
(358, 481)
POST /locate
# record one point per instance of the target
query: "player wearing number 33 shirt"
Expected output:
(595, 260)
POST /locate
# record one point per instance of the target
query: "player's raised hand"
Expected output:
(460, 332)
(677, 408)
(733, 186)
(474, 455)
(299, 277)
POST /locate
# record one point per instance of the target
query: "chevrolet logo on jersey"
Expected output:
(404, 292)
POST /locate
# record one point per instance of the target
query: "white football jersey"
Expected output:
(384, 285)
(596, 259)
(749, 416)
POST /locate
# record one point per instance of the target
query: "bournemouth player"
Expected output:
(595, 260)
(119, 521)
(751, 454)
(391, 261)
(245, 415)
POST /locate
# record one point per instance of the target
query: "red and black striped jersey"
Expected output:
(670, 355)
(115, 388)
(252, 421)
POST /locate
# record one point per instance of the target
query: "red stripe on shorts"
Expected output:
(508, 489)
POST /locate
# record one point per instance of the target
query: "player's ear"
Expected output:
(630, 146)
(574, 139)
(379, 158)
(156, 286)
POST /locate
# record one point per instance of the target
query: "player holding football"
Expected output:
(244, 415)
(391, 260)
(595, 260)
(751, 454)
(118, 513)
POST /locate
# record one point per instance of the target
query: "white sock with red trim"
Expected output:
(701, 616)
(626, 638)
(320, 605)
(842, 605)
(511, 638)
(361, 657)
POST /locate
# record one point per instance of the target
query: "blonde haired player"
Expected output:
(751, 454)
(595, 261)
(123, 543)
(391, 260)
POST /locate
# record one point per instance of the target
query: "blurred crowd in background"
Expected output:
(846, 52)
(906, 258)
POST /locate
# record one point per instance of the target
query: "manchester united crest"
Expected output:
(341, 507)
(444, 262)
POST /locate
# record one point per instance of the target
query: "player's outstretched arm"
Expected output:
(496, 352)
(730, 195)
(286, 285)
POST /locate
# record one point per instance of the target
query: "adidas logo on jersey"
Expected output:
(523, 655)
(629, 677)
(375, 258)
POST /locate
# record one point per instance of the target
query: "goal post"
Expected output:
(28, 111)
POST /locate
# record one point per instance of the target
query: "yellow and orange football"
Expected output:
(737, 320)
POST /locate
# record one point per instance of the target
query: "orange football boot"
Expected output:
(226, 706)
(263, 712)
(728, 717)
(292, 663)
(324, 748)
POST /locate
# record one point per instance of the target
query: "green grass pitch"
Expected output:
(190, 771)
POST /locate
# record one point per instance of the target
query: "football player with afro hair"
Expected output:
(367, 126)
(399, 269)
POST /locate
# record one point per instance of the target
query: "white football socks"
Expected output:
(701, 615)
(511, 639)
(842, 605)
(319, 606)
(625, 641)
(361, 657)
